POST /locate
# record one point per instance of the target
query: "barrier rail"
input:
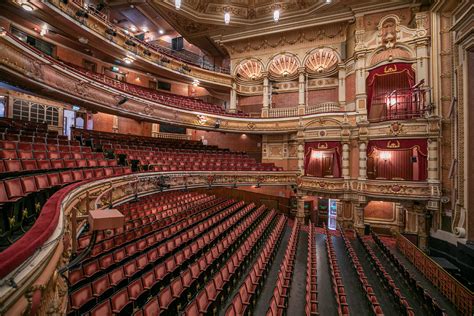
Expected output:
(451, 288)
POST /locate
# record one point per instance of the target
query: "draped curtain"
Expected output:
(408, 161)
(382, 81)
(328, 164)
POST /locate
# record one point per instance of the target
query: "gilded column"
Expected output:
(233, 98)
(155, 129)
(433, 173)
(362, 161)
(359, 217)
(342, 86)
(115, 124)
(265, 100)
(345, 160)
(301, 91)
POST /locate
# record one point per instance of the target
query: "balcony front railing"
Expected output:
(401, 104)
(183, 56)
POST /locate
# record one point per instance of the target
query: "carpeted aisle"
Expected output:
(297, 299)
(355, 294)
(327, 303)
(263, 300)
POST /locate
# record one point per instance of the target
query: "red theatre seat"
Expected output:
(14, 189)
(54, 179)
(29, 184)
(42, 181)
(29, 165)
(13, 165)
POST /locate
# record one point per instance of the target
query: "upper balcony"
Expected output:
(401, 104)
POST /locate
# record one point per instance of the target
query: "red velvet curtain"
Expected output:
(398, 159)
(382, 81)
(330, 152)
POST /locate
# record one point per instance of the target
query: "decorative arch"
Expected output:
(322, 123)
(250, 69)
(400, 52)
(323, 60)
(284, 66)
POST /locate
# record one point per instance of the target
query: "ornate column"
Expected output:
(362, 160)
(300, 153)
(360, 69)
(115, 124)
(233, 98)
(345, 160)
(302, 214)
(433, 172)
(421, 213)
(360, 89)
(265, 100)
(301, 91)
(358, 212)
(155, 129)
(342, 86)
(422, 44)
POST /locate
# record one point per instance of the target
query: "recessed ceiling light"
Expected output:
(276, 15)
(227, 17)
(133, 28)
(27, 7)
(145, 29)
(161, 31)
(128, 60)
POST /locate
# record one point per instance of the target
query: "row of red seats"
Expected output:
(220, 256)
(402, 302)
(366, 287)
(171, 267)
(20, 197)
(6, 122)
(165, 203)
(40, 138)
(169, 99)
(336, 276)
(279, 300)
(423, 294)
(125, 246)
(30, 165)
(243, 300)
(311, 274)
(126, 272)
(170, 228)
(36, 146)
(151, 217)
(11, 190)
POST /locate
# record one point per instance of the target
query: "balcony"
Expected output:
(401, 104)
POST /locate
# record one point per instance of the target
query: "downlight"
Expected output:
(26, 6)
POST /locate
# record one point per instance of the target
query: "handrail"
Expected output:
(449, 286)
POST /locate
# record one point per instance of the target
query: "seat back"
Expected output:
(14, 188)
(42, 181)
(13, 165)
(29, 184)
(54, 179)
(66, 177)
